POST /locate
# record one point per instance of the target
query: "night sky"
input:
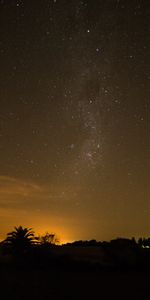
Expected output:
(75, 117)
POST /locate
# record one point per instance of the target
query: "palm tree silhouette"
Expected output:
(21, 239)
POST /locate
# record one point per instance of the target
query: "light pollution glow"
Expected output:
(75, 118)
(33, 206)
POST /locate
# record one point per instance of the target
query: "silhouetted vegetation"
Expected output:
(19, 241)
(45, 263)
(24, 247)
(85, 243)
(48, 239)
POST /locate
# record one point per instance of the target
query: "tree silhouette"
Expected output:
(21, 239)
(48, 239)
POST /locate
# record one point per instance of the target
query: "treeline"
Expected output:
(142, 242)
(22, 247)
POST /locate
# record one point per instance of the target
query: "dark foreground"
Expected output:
(60, 284)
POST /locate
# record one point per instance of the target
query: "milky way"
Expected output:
(74, 117)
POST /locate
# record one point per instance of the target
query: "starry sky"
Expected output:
(75, 117)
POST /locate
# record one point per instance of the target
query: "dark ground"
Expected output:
(60, 284)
